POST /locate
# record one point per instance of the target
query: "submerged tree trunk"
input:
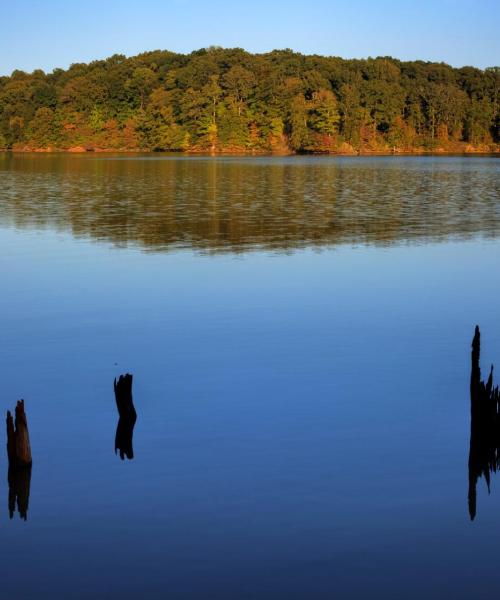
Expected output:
(128, 416)
(19, 453)
(484, 452)
(18, 439)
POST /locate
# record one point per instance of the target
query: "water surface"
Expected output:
(299, 333)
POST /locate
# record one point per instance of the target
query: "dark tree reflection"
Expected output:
(484, 453)
(238, 205)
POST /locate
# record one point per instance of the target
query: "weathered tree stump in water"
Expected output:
(123, 396)
(18, 439)
(128, 416)
(484, 452)
(19, 453)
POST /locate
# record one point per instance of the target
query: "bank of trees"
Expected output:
(229, 100)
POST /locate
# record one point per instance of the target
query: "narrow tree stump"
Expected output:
(128, 416)
(484, 452)
(18, 439)
(123, 396)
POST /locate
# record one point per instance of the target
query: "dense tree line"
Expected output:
(229, 100)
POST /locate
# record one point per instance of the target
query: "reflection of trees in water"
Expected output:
(484, 454)
(236, 204)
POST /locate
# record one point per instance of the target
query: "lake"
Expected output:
(299, 331)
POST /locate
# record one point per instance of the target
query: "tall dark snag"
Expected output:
(18, 439)
(128, 416)
(484, 452)
(20, 461)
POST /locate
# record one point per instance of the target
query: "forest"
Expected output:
(228, 100)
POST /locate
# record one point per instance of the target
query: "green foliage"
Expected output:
(43, 128)
(218, 99)
(297, 120)
(324, 114)
(157, 124)
(140, 84)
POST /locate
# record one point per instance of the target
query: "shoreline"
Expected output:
(86, 151)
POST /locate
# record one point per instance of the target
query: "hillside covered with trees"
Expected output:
(227, 100)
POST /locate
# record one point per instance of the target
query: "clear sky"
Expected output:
(55, 33)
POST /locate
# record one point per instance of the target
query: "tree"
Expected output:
(42, 131)
(239, 82)
(140, 84)
(351, 113)
(157, 124)
(299, 133)
(325, 116)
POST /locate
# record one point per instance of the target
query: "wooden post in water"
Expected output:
(128, 416)
(19, 453)
(123, 396)
(18, 439)
(484, 452)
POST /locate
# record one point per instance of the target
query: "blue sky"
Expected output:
(55, 33)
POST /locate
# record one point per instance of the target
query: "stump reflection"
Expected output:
(19, 490)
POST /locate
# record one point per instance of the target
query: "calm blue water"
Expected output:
(302, 394)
